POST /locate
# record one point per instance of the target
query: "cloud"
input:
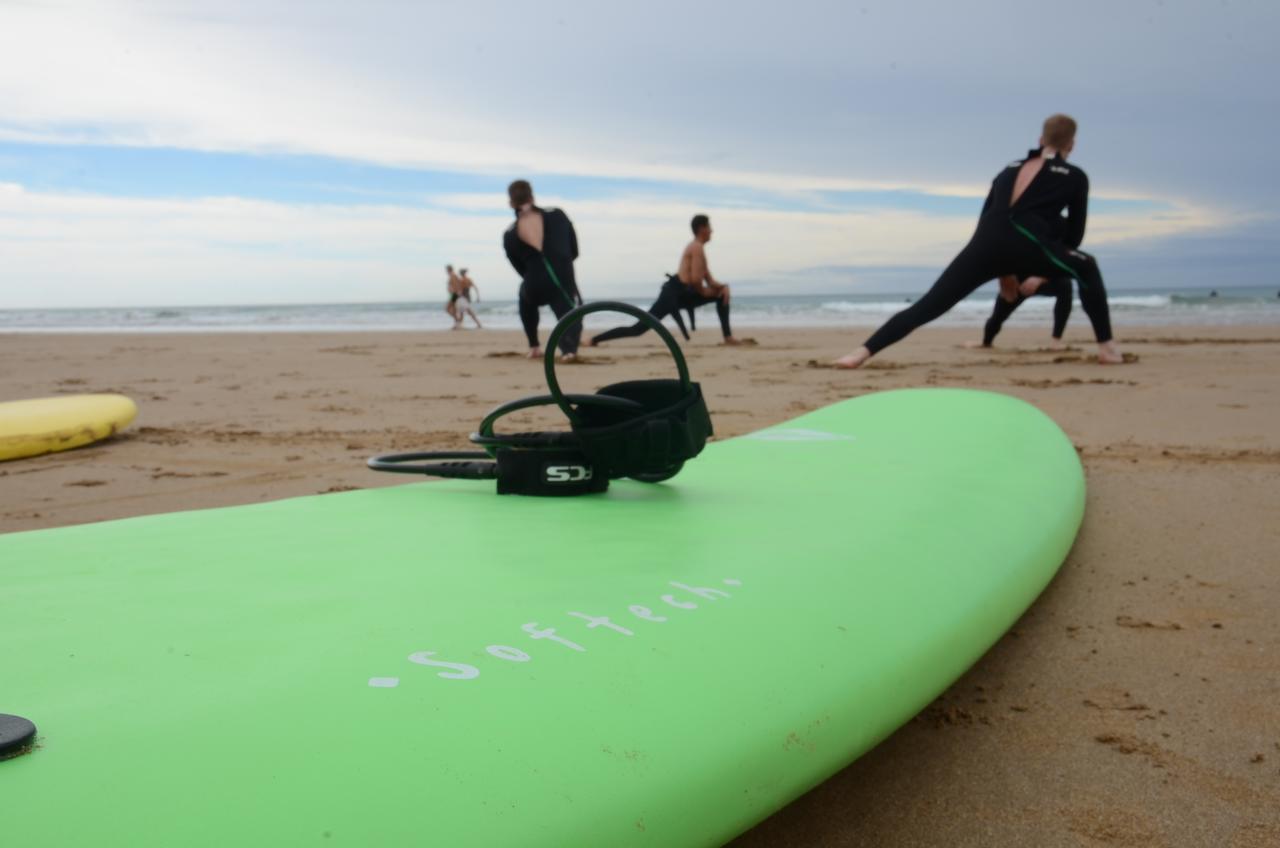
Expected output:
(813, 96)
(63, 249)
(715, 100)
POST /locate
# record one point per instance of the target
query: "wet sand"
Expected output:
(1136, 704)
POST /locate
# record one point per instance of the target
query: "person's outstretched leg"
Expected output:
(639, 328)
(965, 273)
(666, 304)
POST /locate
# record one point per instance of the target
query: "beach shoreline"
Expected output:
(1135, 704)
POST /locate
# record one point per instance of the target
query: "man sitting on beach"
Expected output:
(462, 300)
(1019, 232)
(542, 245)
(692, 286)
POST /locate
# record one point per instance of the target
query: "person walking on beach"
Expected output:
(1056, 287)
(1016, 234)
(451, 286)
(462, 301)
(542, 246)
(690, 287)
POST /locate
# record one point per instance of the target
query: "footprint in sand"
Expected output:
(870, 366)
(1129, 358)
(187, 474)
(593, 360)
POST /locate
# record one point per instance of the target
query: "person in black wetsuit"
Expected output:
(692, 286)
(1018, 234)
(1056, 287)
(542, 245)
(668, 303)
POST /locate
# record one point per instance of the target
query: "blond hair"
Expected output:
(1059, 131)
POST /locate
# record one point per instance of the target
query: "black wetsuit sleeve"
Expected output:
(1077, 213)
(986, 204)
(512, 248)
(573, 238)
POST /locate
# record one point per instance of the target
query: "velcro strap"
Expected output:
(548, 472)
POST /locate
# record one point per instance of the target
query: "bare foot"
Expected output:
(1057, 344)
(1108, 355)
(534, 353)
(569, 357)
(730, 340)
(591, 342)
(853, 360)
(975, 345)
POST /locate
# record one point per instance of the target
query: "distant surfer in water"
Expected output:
(542, 245)
(690, 287)
(1011, 297)
(462, 300)
(1018, 234)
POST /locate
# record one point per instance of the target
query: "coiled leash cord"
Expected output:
(642, 429)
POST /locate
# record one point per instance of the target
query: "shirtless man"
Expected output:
(462, 300)
(702, 288)
(542, 245)
(1019, 233)
(691, 287)
(452, 286)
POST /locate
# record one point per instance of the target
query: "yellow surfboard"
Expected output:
(44, 425)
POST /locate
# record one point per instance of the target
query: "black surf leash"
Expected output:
(642, 429)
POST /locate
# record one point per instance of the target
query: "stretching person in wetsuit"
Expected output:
(1057, 287)
(542, 245)
(1011, 296)
(1016, 235)
(692, 286)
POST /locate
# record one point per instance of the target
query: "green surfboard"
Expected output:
(431, 664)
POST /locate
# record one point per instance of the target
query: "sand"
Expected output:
(1137, 703)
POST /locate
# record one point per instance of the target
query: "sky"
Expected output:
(178, 153)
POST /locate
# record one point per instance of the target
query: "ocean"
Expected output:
(1133, 308)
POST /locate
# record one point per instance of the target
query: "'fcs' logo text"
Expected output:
(568, 473)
